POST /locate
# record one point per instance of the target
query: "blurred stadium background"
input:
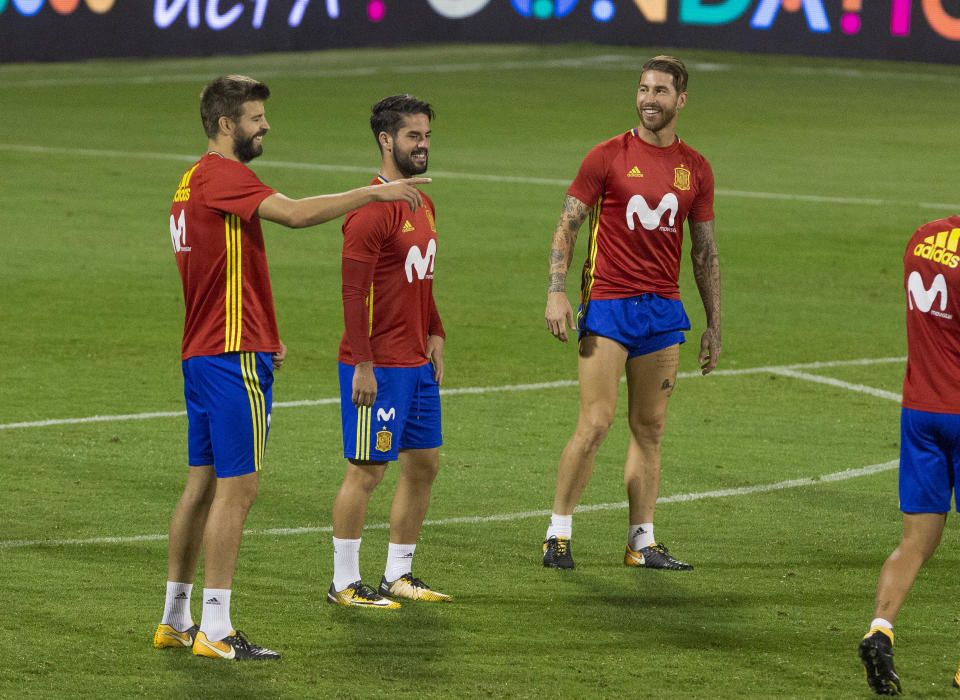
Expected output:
(779, 471)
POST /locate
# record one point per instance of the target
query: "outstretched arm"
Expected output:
(559, 314)
(706, 270)
(309, 211)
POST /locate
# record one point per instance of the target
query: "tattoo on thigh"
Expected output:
(668, 386)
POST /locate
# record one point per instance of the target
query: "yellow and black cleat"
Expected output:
(234, 647)
(656, 556)
(360, 595)
(166, 637)
(557, 553)
(412, 589)
(876, 653)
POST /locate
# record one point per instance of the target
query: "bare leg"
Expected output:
(921, 535)
(221, 537)
(350, 505)
(650, 381)
(600, 367)
(187, 524)
(418, 469)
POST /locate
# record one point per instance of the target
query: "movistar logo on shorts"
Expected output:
(923, 298)
(940, 248)
(650, 218)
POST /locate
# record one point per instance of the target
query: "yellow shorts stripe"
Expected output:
(364, 416)
(258, 412)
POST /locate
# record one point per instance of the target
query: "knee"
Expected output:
(364, 477)
(592, 431)
(648, 430)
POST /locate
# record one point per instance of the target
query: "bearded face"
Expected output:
(248, 146)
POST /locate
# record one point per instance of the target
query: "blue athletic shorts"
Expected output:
(405, 416)
(929, 461)
(228, 398)
(642, 324)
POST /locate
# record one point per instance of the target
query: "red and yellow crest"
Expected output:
(681, 178)
(384, 440)
(433, 224)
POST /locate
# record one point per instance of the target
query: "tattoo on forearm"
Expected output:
(706, 268)
(564, 241)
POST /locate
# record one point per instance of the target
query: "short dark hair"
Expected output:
(670, 65)
(224, 97)
(388, 114)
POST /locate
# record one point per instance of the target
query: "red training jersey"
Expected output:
(389, 254)
(640, 195)
(218, 244)
(931, 277)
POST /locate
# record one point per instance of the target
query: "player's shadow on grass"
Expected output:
(403, 646)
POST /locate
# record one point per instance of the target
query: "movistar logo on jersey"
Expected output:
(923, 298)
(940, 248)
(650, 218)
(420, 263)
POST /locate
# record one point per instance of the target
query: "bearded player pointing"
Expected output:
(638, 189)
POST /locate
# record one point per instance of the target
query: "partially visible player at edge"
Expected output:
(638, 188)
(929, 433)
(391, 365)
(230, 349)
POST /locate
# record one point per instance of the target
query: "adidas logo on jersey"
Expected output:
(407, 226)
(635, 172)
(941, 248)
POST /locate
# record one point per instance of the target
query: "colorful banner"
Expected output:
(44, 30)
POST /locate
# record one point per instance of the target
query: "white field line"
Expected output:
(500, 517)
(785, 370)
(453, 175)
(346, 72)
(264, 69)
(830, 381)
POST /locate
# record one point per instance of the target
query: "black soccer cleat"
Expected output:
(557, 554)
(876, 653)
(656, 556)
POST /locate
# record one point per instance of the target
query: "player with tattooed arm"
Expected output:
(638, 188)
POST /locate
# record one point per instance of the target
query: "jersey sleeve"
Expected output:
(702, 207)
(234, 189)
(591, 179)
(365, 230)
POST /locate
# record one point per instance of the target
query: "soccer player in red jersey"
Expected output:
(231, 348)
(638, 189)
(929, 433)
(391, 364)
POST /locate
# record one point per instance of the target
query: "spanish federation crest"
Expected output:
(384, 440)
(681, 178)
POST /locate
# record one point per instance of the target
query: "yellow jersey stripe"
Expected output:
(258, 413)
(590, 266)
(234, 284)
(370, 303)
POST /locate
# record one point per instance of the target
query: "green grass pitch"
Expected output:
(823, 169)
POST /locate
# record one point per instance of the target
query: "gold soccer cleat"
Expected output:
(413, 589)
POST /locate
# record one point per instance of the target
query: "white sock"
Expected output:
(560, 526)
(346, 563)
(215, 621)
(880, 622)
(640, 535)
(176, 610)
(399, 561)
